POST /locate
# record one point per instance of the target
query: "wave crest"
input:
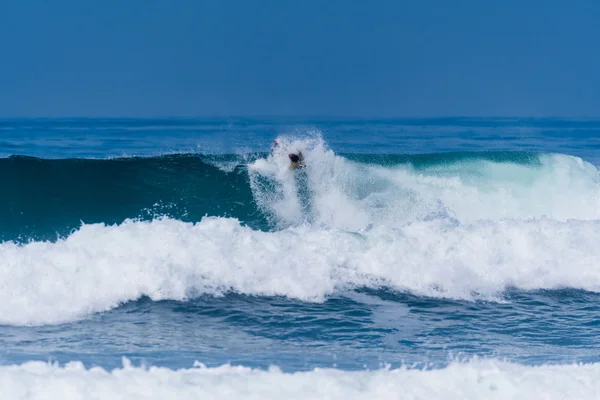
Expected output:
(99, 267)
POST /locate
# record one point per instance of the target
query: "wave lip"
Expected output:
(490, 379)
(99, 267)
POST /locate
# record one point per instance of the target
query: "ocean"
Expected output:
(410, 258)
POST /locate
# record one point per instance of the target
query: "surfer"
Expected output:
(296, 160)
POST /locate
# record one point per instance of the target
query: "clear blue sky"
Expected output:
(147, 58)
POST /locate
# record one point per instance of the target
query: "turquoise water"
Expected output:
(427, 243)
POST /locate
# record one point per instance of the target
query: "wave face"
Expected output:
(44, 198)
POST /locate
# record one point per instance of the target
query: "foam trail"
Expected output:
(99, 267)
(352, 196)
(489, 379)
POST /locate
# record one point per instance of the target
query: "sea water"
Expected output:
(182, 258)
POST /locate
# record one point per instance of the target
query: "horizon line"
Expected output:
(296, 117)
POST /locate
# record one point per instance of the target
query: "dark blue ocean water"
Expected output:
(416, 241)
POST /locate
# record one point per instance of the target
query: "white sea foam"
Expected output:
(478, 379)
(334, 192)
(98, 267)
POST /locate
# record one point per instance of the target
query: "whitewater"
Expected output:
(474, 380)
(467, 268)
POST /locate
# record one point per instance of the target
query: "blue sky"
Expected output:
(339, 58)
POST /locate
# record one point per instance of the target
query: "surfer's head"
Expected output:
(294, 157)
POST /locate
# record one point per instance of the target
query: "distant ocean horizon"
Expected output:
(449, 256)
